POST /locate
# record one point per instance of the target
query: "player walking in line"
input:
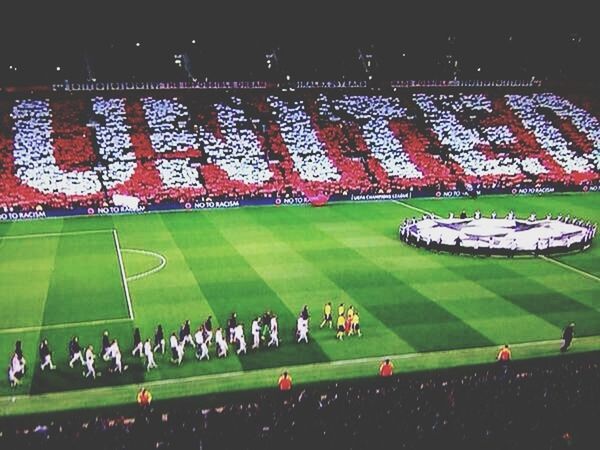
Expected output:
(201, 347)
(89, 363)
(274, 332)
(327, 319)
(176, 349)
(208, 330)
(302, 329)
(239, 338)
(304, 313)
(341, 310)
(75, 352)
(114, 353)
(46, 355)
(159, 339)
(138, 346)
(221, 343)
(340, 327)
(16, 370)
(256, 333)
(231, 326)
(105, 345)
(185, 335)
(356, 324)
(149, 354)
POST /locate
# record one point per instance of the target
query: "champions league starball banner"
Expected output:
(499, 235)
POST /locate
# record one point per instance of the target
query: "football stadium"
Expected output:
(336, 247)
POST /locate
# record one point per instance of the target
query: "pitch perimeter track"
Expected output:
(266, 378)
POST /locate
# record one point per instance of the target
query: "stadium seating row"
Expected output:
(77, 151)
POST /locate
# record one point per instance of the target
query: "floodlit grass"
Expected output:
(441, 309)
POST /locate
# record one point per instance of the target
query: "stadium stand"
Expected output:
(544, 404)
(78, 150)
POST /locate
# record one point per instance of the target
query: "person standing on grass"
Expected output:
(138, 346)
(46, 355)
(185, 335)
(151, 364)
(159, 339)
(16, 370)
(231, 326)
(302, 331)
(285, 382)
(75, 352)
(274, 333)
(327, 319)
(221, 343)
(114, 353)
(386, 369)
(174, 344)
(144, 398)
(255, 333)
(567, 336)
(89, 363)
(340, 327)
(356, 324)
(238, 335)
(208, 330)
(504, 355)
(201, 347)
(105, 345)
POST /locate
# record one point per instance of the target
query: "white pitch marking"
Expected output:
(569, 267)
(161, 258)
(123, 277)
(406, 205)
(57, 234)
(60, 326)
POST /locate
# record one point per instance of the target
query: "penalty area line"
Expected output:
(569, 267)
(123, 276)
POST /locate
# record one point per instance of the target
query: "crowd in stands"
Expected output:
(66, 152)
(544, 404)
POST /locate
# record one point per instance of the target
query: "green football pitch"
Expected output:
(82, 276)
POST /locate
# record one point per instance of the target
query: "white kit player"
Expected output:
(221, 343)
(238, 336)
(89, 363)
(255, 334)
(201, 346)
(151, 364)
(274, 332)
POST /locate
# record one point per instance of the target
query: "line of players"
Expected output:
(264, 330)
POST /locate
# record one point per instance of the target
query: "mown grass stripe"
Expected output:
(246, 293)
